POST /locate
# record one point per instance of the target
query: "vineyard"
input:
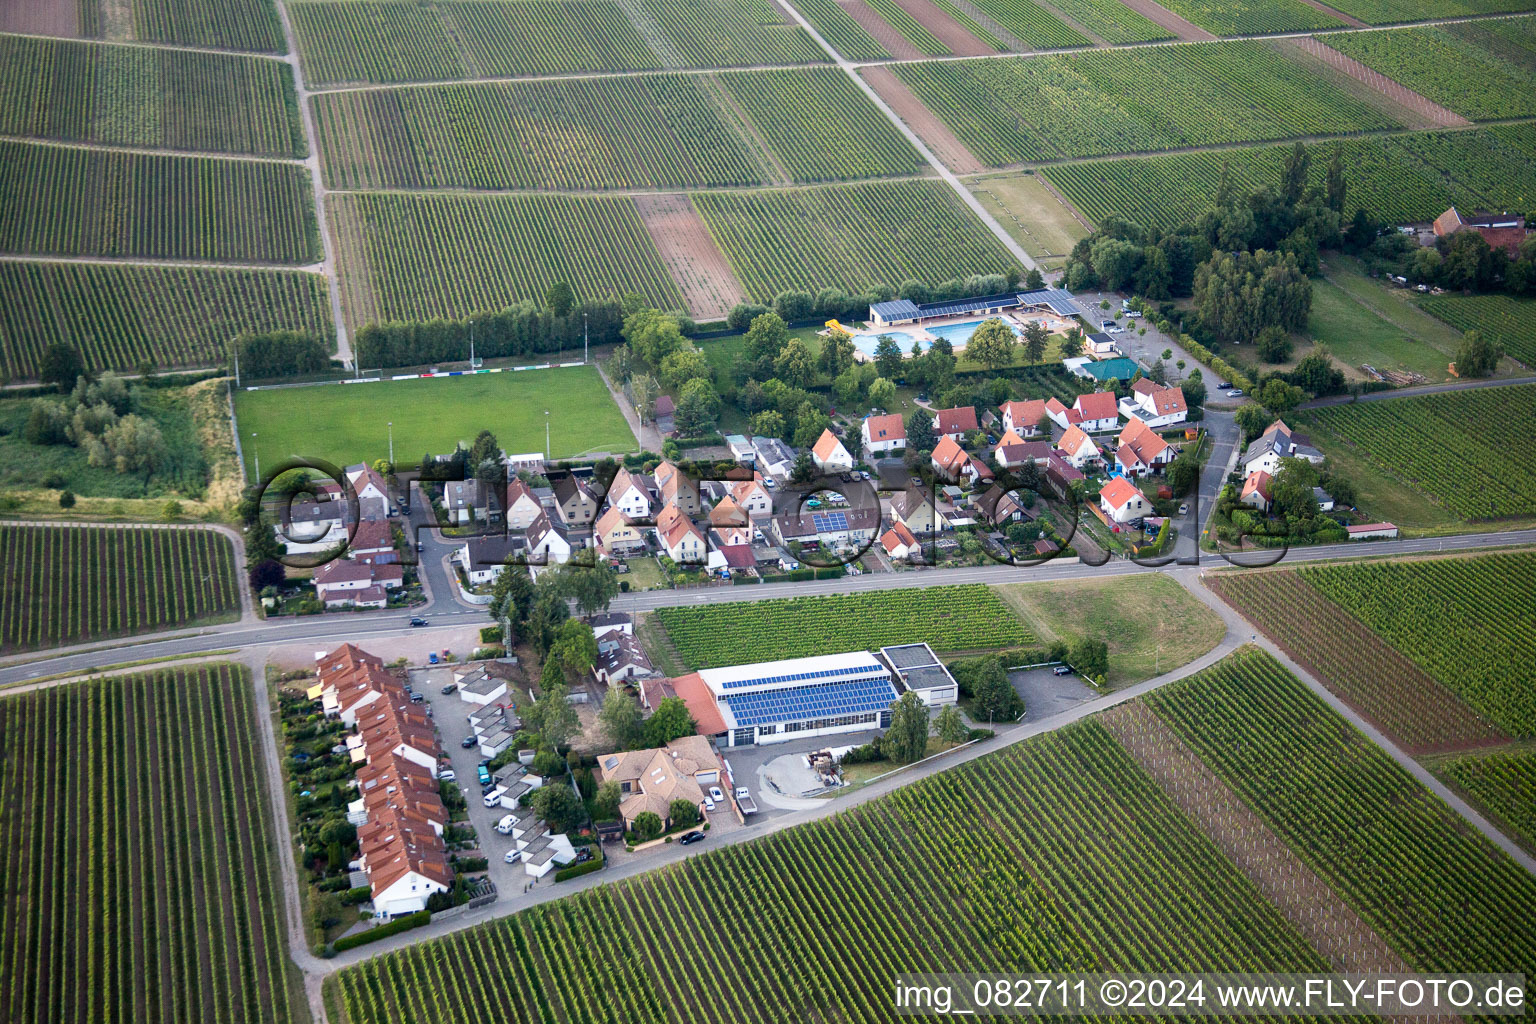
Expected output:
(1252, 17)
(1400, 178)
(839, 29)
(1012, 110)
(1504, 786)
(138, 855)
(1466, 621)
(121, 316)
(1444, 897)
(1112, 22)
(366, 41)
(62, 585)
(418, 257)
(726, 33)
(1402, 699)
(737, 633)
(1032, 23)
(848, 236)
(218, 24)
(1501, 318)
(644, 131)
(1456, 447)
(1073, 839)
(1386, 12)
(909, 28)
(1453, 71)
(59, 200)
(149, 97)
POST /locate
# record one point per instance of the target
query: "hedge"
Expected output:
(577, 870)
(1224, 369)
(383, 931)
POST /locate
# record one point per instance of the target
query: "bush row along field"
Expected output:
(848, 236)
(58, 200)
(151, 97)
(1012, 110)
(1112, 22)
(1503, 785)
(405, 41)
(1386, 12)
(949, 618)
(1442, 895)
(120, 316)
(1469, 622)
(1032, 24)
(1252, 17)
(418, 257)
(217, 24)
(1452, 68)
(642, 131)
(839, 29)
(1038, 855)
(1400, 178)
(1502, 318)
(137, 852)
(1407, 703)
(65, 585)
(1462, 449)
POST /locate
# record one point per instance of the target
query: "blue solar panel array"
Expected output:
(830, 522)
(802, 703)
(847, 670)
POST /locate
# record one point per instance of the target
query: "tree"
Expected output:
(794, 306)
(809, 424)
(171, 511)
(592, 588)
(950, 726)
(769, 423)
(47, 423)
(556, 719)
(605, 804)
(1335, 186)
(621, 719)
(804, 470)
(1293, 179)
(991, 691)
(645, 389)
(574, 647)
(647, 826)
(1476, 356)
(1033, 281)
(683, 812)
(668, 722)
(559, 299)
(1291, 489)
(698, 405)
(1251, 420)
(795, 365)
(836, 353)
(1154, 279)
(684, 365)
(1116, 262)
(652, 336)
(920, 430)
(1279, 397)
(1090, 656)
(765, 338)
(907, 738)
(888, 357)
(1035, 339)
(1273, 345)
(1072, 344)
(1238, 295)
(136, 445)
(485, 448)
(882, 393)
(338, 832)
(992, 344)
(266, 573)
(559, 805)
(1183, 474)
(742, 314)
(61, 366)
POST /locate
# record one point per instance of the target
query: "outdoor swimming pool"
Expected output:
(959, 334)
(866, 342)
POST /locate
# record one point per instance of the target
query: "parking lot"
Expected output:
(1046, 694)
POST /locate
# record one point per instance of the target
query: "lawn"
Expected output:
(1028, 211)
(1361, 321)
(345, 424)
(1151, 623)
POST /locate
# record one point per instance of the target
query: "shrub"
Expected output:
(383, 931)
(577, 870)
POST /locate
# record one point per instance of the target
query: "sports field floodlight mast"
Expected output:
(546, 433)
(391, 442)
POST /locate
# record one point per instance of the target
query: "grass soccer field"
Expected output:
(348, 423)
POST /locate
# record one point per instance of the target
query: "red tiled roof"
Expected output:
(886, 428)
(1024, 415)
(948, 456)
(959, 420)
(1097, 405)
(1119, 491)
(826, 445)
(701, 703)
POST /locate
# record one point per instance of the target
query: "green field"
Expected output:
(1444, 897)
(141, 880)
(419, 257)
(1363, 322)
(345, 424)
(735, 633)
(1385, 12)
(1011, 110)
(1252, 17)
(1457, 449)
(1112, 22)
(1401, 178)
(61, 200)
(144, 96)
(374, 41)
(1032, 23)
(839, 29)
(218, 24)
(1502, 318)
(727, 33)
(1456, 70)
(121, 316)
(1503, 785)
(849, 236)
(909, 28)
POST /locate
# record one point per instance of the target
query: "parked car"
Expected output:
(1114, 328)
(483, 773)
(1183, 508)
(1235, 393)
(432, 658)
(467, 742)
(1133, 314)
(1063, 670)
(417, 698)
(1224, 384)
(418, 621)
(507, 823)
(511, 857)
(450, 687)
(744, 800)
(689, 838)
(583, 855)
(493, 798)
(447, 775)
(709, 805)
(716, 795)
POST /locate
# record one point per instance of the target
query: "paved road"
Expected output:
(1427, 389)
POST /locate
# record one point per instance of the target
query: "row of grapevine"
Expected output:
(848, 236)
(137, 857)
(1386, 12)
(1444, 897)
(1013, 110)
(62, 200)
(1503, 785)
(374, 41)
(1400, 697)
(728, 33)
(63, 585)
(949, 618)
(1252, 17)
(1112, 21)
(909, 28)
(1400, 178)
(150, 97)
(838, 28)
(1457, 447)
(121, 316)
(1059, 854)
(219, 24)
(426, 256)
(1469, 622)
(1032, 24)
(1509, 321)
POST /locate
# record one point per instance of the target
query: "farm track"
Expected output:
(701, 271)
(140, 261)
(1348, 19)
(188, 48)
(945, 143)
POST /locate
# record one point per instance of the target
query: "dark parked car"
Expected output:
(450, 687)
(1063, 670)
(418, 622)
(467, 742)
(417, 698)
(690, 838)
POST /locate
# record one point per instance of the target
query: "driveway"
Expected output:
(1046, 694)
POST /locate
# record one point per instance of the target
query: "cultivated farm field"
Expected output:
(838, 28)
(1454, 448)
(147, 96)
(62, 200)
(217, 24)
(1252, 17)
(949, 618)
(120, 316)
(1011, 110)
(1113, 22)
(62, 585)
(1386, 12)
(848, 236)
(1502, 318)
(1503, 784)
(1032, 24)
(137, 847)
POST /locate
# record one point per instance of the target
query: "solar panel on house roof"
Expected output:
(829, 522)
(802, 703)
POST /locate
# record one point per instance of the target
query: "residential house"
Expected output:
(899, 543)
(682, 541)
(1122, 501)
(467, 501)
(955, 423)
(616, 536)
(741, 449)
(1058, 413)
(1095, 412)
(484, 558)
(1500, 230)
(1141, 450)
(1154, 404)
(1323, 498)
(913, 508)
(650, 780)
(774, 457)
(633, 494)
(621, 659)
(1077, 448)
(998, 506)
(371, 490)
(575, 504)
(883, 435)
(342, 583)
(829, 455)
(732, 557)
(675, 488)
(731, 522)
(1276, 443)
(1256, 491)
(546, 544)
(831, 528)
(1023, 418)
(977, 472)
(949, 459)
(611, 622)
(373, 541)
(1012, 451)
(753, 496)
(522, 505)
